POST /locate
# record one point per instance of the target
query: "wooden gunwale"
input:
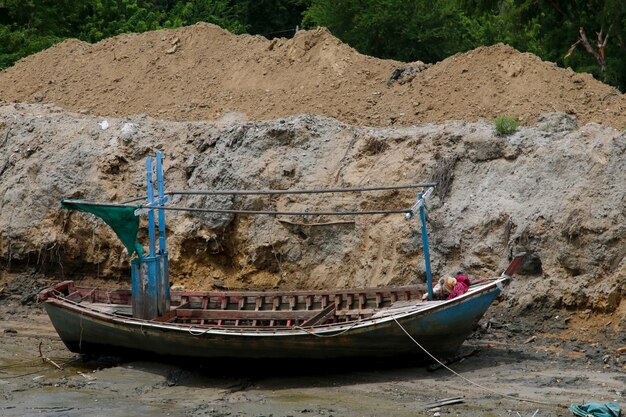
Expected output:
(250, 308)
(357, 322)
(388, 314)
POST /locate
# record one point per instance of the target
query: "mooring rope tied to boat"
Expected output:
(201, 332)
(80, 339)
(510, 397)
(353, 325)
(192, 331)
(24, 364)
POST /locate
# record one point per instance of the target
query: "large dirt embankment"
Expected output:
(557, 194)
(202, 72)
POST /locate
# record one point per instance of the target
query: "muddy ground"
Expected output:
(545, 363)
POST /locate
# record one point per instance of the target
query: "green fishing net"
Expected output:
(121, 219)
(610, 409)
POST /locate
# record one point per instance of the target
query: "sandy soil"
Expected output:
(554, 368)
(203, 72)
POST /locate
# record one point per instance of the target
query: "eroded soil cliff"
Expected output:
(555, 191)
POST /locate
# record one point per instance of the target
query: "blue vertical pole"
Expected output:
(152, 290)
(161, 194)
(151, 231)
(426, 253)
(164, 287)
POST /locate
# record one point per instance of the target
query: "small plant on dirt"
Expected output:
(505, 125)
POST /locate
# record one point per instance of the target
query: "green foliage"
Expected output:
(549, 28)
(112, 17)
(28, 26)
(219, 12)
(433, 30)
(404, 30)
(271, 18)
(33, 25)
(16, 44)
(505, 125)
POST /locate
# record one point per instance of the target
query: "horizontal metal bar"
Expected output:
(310, 191)
(251, 212)
(93, 203)
(156, 203)
(135, 199)
(287, 213)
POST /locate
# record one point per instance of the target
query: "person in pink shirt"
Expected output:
(450, 287)
(460, 287)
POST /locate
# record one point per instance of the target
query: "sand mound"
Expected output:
(497, 80)
(203, 72)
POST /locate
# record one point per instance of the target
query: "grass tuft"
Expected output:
(505, 125)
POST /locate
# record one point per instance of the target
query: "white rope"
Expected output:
(80, 337)
(472, 382)
(194, 332)
(330, 335)
(200, 333)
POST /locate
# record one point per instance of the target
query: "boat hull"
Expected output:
(440, 330)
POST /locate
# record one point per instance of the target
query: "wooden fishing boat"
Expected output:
(272, 324)
(152, 319)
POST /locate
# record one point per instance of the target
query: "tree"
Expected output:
(271, 18)
(607, 19)
(219, 12)
(34, 25)
(399, 29)
(553, 29)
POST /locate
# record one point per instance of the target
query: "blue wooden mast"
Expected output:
(429, 282)
(165, 284)
(150, 274)
(420, 206)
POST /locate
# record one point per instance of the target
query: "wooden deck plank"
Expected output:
(246, 314)
(370, 292)
(321, 317)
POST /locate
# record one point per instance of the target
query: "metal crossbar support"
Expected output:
(145, 209)
(311, 191)
(421, 200)
(284, 213)
(276, 192)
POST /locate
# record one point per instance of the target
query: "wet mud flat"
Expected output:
(545, 368)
